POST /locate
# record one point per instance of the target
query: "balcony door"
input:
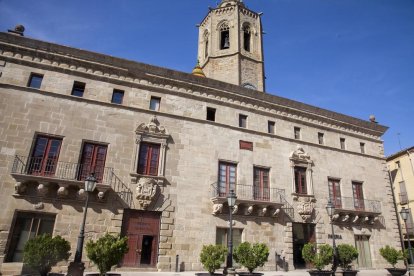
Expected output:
(227, 178)
(358, 196)
(335, 192)
(44, 157)
(92, 161)
(261, 184)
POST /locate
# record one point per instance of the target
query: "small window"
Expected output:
(296, 132)
(242, 121)
(222, 236)
(117, 96)
(246, 37)
(211, 114)
(78, 89)
(224, 36)
(342, 142)
(320, 138)
(35, 81)
(155, 103)
(362, 147)
(270, 127)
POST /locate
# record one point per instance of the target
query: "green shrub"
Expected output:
(392, 255)
(251, 256)
(346, 254)
(318, 259)
(212, 256)
(43, 252)
(107, 251)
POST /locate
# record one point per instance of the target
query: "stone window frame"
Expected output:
(299, 158)
(152, 133)
(31, 83)
(223, 26)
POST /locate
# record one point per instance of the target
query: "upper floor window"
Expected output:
(270, 127)
(358, 195)
(300, 180)
(45, 155)
(35, 80)
(296, 132)
(242, 120)
(335, 192)
(342, 143)
(362, 147)
(246, 37)
(261, 189)
(117, 96)
(78, 89)
(227, 178)
(155, 103)
(224, 36)
(301, 164)
(148, 159)
(211, 114)
(321, 138)
(92, 161)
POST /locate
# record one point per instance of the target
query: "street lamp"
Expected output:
(231, 200)
(77, 267)
(330, 208)
(404, 213)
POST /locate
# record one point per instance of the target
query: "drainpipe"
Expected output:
(396, 211)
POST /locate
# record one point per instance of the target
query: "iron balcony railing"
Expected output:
(350, 203)
(249, 192)
(59, 170)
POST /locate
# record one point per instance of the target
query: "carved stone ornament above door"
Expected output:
(146, 191)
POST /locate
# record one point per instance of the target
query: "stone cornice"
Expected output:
(120, 70)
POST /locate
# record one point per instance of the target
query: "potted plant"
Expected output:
(392, 256)
(346, 255)
(107, 251)
(44, 251)
(251, 256)
(212, 256)
(318, 257)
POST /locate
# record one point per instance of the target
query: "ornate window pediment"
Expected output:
(150, 163)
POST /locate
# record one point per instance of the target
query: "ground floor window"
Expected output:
(222, 236)
(27, 225)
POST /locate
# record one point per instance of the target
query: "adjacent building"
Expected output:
(167, 147)
(401, 170)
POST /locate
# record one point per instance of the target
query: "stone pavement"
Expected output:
(378, 272)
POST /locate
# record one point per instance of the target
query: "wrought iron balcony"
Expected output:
(252, 200)
(349, 209)
(46, 171)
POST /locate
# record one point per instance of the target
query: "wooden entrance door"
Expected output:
(302, 233)
(364, 256)
(142, 229)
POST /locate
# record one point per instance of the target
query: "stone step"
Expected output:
(135, 269)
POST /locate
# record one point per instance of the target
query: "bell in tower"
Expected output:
(230, 45)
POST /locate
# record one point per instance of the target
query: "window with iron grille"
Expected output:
(261, 189)
(335, 192)
(92, 161)
(45, 154)
(227, 178)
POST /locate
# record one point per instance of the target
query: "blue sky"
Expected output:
(355, 57)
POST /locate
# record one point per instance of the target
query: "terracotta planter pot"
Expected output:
(397, 271)
(320, 272)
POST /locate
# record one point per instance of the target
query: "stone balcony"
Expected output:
(47, 177)
(251, 200)
(350, 210)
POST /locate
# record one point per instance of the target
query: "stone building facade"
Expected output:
(167, 147)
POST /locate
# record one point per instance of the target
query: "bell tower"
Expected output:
(230, 45)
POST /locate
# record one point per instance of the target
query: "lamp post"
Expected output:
(231, 200)
(77, 267)
(404, 213)
(330, 208)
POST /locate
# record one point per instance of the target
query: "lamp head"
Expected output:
(330, 208)
(231, 198)
(90, 183)
(404, 213)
